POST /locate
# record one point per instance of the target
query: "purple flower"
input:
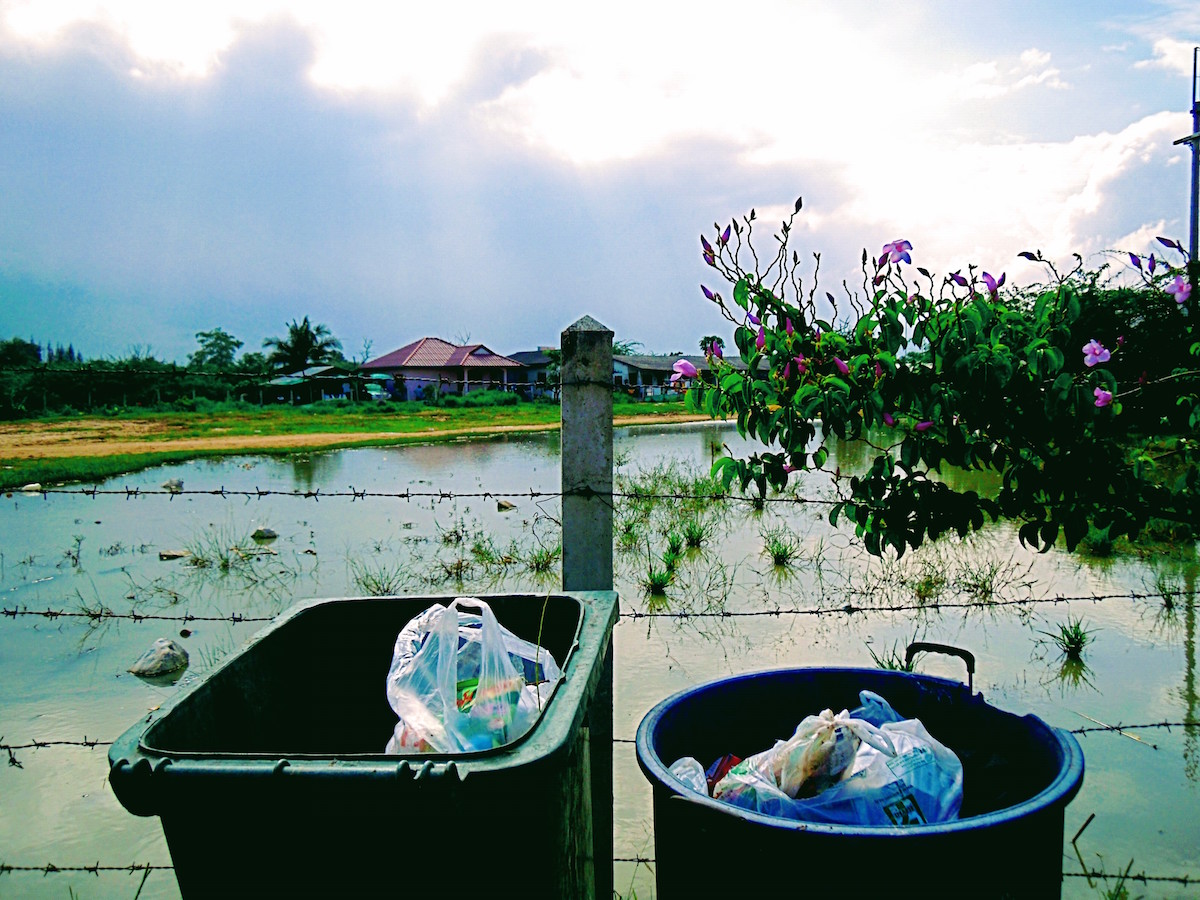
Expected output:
(896, 251)
(1136, 260)
(992, 284)
(1167, 242)
(958, 279)
(683, 369)
(1180, 288)
(1120, 341)
(707, 293)
(754, 320)
(801, 365)
(725, 235)
(715, 349)
(1103, 397)
(1150, 266)
(888, 419)
(708, 258)
(924, 426)
(1094, 352)
(1032, 257)
(787, 370)
(878, 370)
(788, 327)
(708, 250)
(841, 366)
(789, 468)
(761, 340)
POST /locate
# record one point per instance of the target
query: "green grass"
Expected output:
(892, 659)
(781, 546)
(1071, 638)
(397, 423)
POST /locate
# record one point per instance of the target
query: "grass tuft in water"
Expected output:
(892, 659)
(781, 546)
(1071, 638)
(379, 579)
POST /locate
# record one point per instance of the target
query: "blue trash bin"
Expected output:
(1018, 776)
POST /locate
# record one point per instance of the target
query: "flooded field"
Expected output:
(67, 560)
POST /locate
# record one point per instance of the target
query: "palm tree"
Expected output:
(305, 345)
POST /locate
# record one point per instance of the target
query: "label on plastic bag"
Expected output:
(904, 810)
(910, 760)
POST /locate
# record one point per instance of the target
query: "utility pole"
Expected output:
(1194, 208)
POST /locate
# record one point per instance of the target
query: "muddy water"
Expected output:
(64, 678)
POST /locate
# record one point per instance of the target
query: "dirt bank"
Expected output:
(107, 437)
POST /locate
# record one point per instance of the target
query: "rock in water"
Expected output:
(173, 485)
(164, 657)
(504, 506)
(264, 534)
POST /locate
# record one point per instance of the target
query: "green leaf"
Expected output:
(741, 293)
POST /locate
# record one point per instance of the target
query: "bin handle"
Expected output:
(926, 647)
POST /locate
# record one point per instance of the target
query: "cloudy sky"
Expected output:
(494, 171)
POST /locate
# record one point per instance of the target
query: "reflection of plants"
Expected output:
(1071, 638)
(1075, 673)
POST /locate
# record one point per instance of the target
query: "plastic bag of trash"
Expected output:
(461, 681)
(899, 775)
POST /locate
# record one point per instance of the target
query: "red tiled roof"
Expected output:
(434, 353)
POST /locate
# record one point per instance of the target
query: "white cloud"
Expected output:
(984, 81)
(1171, 54)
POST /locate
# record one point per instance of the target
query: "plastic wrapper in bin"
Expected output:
(460, 681)
(868, 767)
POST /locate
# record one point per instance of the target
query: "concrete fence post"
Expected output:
(587, 536)
(587, 457)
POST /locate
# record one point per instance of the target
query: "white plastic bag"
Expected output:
(461, 681)
(808, 762)
(906, 777)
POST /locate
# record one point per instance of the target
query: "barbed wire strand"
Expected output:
(91, 743)
(1142, 877)
(352, 493)
(105, 614)
(147, 868)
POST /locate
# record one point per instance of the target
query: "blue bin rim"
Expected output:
(1061, 790)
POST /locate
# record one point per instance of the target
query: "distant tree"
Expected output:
(305, 345)
(253, 363)
(365, 353)
(19, 352)
(627, 348)
(217, 350)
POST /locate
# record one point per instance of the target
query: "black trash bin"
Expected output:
(1018, 776)
(270, 779)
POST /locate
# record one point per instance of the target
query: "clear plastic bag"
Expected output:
(460, 681)
(899, 775)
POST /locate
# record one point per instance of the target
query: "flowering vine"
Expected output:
(957, 372)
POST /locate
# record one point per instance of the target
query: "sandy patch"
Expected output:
(104, 437)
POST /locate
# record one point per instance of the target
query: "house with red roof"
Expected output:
(440, 365)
